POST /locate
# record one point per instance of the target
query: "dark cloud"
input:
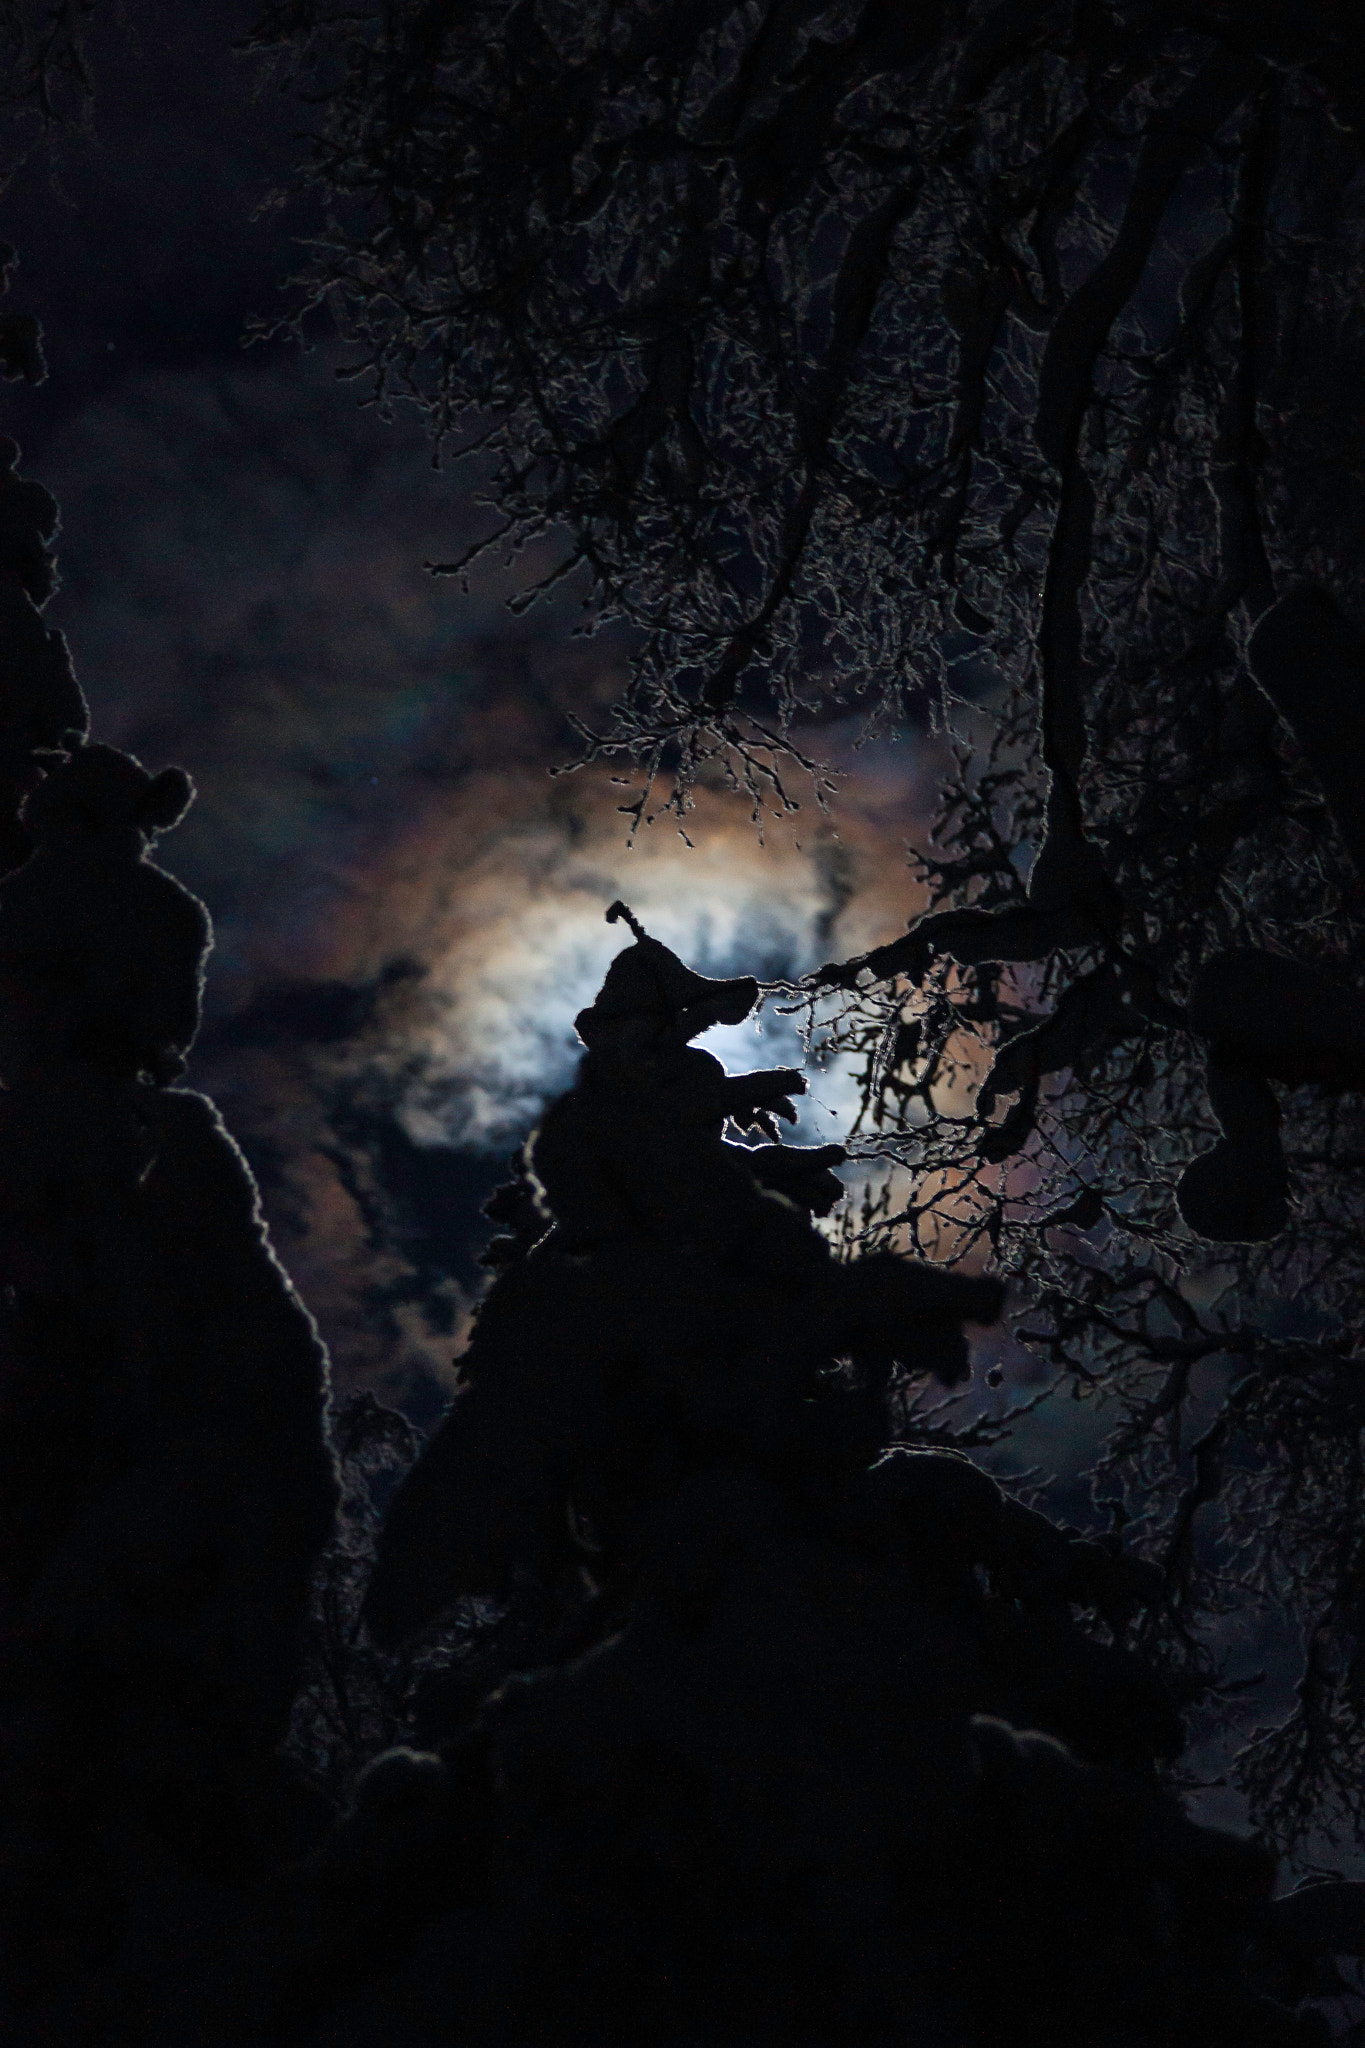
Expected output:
(294, 1013)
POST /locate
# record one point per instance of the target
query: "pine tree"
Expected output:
(796, 1730)
(166, 1483)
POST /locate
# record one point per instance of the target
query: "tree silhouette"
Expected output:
(790, 1731)
(166, 1483)
(1004, 359)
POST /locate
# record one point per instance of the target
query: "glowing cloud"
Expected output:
(409, 907)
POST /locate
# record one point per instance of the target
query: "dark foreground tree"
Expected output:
(165, 1480)
(789, 1736)
(1004, 356)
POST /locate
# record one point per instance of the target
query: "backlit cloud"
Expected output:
(409, 907)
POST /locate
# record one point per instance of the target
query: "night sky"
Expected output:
(408, 906)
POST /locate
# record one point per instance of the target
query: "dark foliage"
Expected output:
(740, 1761)
(1004, 356)
(165, 1480)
